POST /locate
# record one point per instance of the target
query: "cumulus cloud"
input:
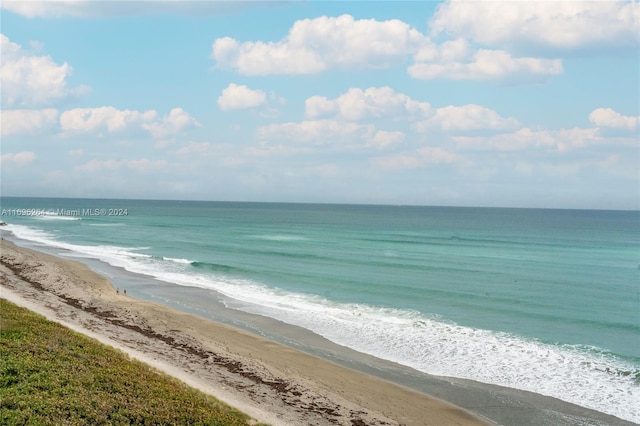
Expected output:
(466, 118)
(358, 104)
(384, 139)
(520, 27)
(448, 51)
(483, 64)
(315, 45)
(558, 24)
(24, 121)
(10, 50)
(237, 96)
(351, 120)
(20, 158)
(29, 80)
(109, 119)
(606, 117)
(171, 124)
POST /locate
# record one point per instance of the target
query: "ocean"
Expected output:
(541, 300)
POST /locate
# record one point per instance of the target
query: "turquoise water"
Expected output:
(541, 300)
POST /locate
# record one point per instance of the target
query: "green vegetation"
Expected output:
(50, 375)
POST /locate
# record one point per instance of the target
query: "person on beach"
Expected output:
(117, 290)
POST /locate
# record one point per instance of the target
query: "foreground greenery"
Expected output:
(50, 375)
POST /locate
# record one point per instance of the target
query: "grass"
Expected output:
(50, 375)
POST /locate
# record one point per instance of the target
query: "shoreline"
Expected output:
(269, 381)
(266, 380)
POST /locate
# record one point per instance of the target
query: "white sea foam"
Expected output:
(178, 260)
(56, 217)
(584, 376)
(30, 234)
(580, 375)
(116, 256)
(279, 237)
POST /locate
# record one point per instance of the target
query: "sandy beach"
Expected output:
(270, 382)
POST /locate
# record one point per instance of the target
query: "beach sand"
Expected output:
(270, 382)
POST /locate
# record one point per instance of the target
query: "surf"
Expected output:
(588, 376)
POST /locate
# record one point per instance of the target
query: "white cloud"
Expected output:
(611, 164)
(24, 121)
(292, 137)
(20, 158)
(271, 149)
(52, 9)
(466, 118)
(319, 106)
(358, 104)
(422, 157)
(345, 119)
(481, 65)
(142, 165)
(100, 8)
(171, 124)
(562, 140)
(10, 50)
(259, 58)
(556, 24)
(437, 155)
(316, 131)
(449, 51)
(196, 148)
(84, 120)
(31, 9)
(109, 119)
(398, 162)
(315, 45)
(237, 96)
(606, 117)
(520, 26)
(384, 139)
(28, 80)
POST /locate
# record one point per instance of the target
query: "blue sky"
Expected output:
(520, 104)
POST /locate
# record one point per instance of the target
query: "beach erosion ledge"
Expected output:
(268, 381)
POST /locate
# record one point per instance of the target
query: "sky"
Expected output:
(456, 103)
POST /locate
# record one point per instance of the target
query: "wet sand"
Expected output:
(271, 382)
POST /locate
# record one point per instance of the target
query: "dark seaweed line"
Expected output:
(281, 387)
